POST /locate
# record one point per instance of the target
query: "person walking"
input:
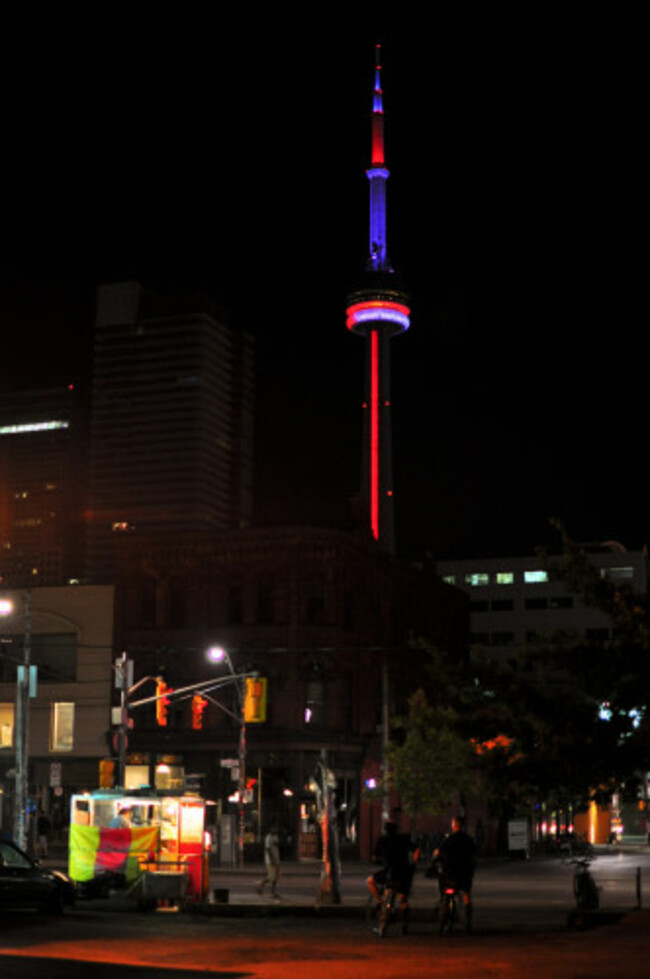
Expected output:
(272, 863)
(42, 832)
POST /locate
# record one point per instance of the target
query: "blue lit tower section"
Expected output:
(377, 311)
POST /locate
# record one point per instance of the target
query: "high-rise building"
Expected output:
(378, 310)
(172, 420)
(42, 485)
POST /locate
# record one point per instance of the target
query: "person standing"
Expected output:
(42, 832)
(271, 862)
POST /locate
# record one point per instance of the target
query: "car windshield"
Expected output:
(11, 857)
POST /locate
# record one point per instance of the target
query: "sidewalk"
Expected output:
(232, 891)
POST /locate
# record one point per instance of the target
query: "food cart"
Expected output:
(155, 846)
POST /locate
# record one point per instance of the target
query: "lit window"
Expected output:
(315, 706)
(33, 427)
(505, 578)
(477, 578)
(449, 578)
(62, 727)
(6, 725)
(535, 577)
(618, 574)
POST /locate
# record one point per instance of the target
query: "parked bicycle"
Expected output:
(584, 886)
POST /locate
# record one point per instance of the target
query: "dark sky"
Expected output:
(231, 158)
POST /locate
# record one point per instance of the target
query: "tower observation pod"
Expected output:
(378, 310)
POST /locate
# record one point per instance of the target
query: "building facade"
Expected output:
(172, 421)
(328, 619)
(68, 633)
(43, 467)
(516, 603)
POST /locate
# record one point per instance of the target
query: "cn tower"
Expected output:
(378, 310)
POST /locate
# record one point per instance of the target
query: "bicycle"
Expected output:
(584, 886)
(392, 906)
(448, 909)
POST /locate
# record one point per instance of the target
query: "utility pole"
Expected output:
(385, 741)
(123, 682)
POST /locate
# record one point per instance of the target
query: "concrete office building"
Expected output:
(516, 602)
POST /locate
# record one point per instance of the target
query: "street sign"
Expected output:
(55, 774)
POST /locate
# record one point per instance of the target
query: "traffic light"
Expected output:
(162, 702)
(106, 773)
(255, 700)
(199, 704)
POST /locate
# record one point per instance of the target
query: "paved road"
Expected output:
(521, 930)
(178, 946)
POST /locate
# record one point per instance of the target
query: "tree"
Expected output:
(429, 762)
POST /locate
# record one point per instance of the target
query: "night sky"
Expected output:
(232, 159)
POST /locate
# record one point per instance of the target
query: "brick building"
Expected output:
(320, 613)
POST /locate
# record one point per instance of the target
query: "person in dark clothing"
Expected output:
(397, 854)
(457, 858)
(42, 832)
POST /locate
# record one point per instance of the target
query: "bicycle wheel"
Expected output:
(385, 914)
(578, 890)
(405, 919)
(448, 914)
(372, 912)
(592, 898)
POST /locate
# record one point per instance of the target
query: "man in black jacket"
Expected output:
(457, 855)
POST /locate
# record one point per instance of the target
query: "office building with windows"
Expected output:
(172, 420)
(42, 485)
(516, 603)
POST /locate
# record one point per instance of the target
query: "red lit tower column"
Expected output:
(378, 310)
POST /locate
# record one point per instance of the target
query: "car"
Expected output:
(25, 884)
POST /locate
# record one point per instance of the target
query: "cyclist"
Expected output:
(457, 857)
(397, 855)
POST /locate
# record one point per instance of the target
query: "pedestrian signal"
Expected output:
(255, 700)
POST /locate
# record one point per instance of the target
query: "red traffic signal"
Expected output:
(199, 704)
(162, 702)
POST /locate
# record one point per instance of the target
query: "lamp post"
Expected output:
(217, 654)
(24, 681)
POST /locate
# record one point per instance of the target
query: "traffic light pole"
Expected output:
(203, 687)
(124, 681)
(242, 783)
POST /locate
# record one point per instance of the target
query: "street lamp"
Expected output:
(217, 654)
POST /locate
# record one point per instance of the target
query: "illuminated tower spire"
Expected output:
(378, 310)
